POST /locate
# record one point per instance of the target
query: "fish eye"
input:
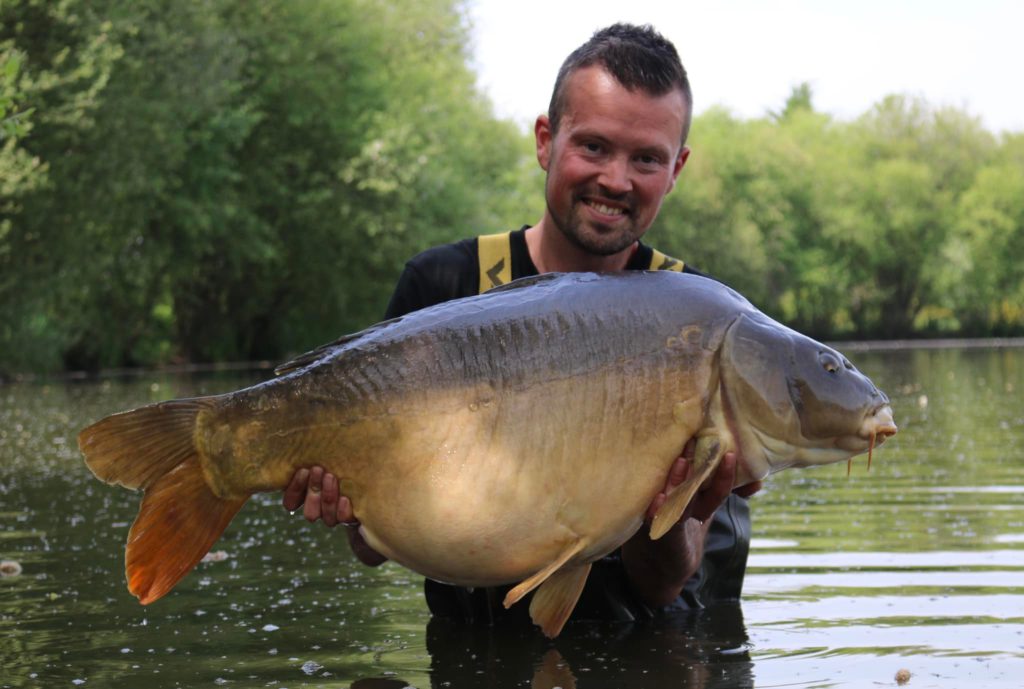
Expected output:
(830, 362)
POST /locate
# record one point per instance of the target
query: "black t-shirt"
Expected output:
(451, 271)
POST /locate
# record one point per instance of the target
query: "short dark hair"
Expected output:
(637, 56)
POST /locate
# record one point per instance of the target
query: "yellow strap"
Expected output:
(495, 252)
(660, 261)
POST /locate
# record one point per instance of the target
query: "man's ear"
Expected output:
(677, 167)
(543, 138)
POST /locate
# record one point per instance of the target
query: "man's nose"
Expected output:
(614, 177)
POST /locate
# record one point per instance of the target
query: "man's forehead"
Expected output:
(594, 96)
(598, 76)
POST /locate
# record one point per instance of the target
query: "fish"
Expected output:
(512, 437)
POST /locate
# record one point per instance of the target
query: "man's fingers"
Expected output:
(346, 515)
(295, 493)
(311, 509)
(329, 500)
(715, 489)
(655, 505)
(679, 472)
(720, 482)
(712, 493)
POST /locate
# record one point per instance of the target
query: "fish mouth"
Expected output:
(878, 425)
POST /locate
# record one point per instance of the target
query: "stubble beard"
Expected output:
(602, 241)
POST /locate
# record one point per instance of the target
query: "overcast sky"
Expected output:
(748, 55)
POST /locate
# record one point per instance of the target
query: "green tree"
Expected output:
(893, 216)
(800, 100)
(63, 60)
(239, 180)
(989, 294)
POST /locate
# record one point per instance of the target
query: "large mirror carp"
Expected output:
(515, 436)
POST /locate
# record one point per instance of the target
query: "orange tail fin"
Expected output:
(180, 517)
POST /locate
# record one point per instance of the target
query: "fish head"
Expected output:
(792, 401)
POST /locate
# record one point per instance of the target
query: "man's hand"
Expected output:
(659, 569)
(319, 494)
(711, 495)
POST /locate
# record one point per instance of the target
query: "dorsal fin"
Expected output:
(323, 350)
(526, 282)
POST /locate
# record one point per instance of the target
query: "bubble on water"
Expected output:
(311, 666)
(270, 627)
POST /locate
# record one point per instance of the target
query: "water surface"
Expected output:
(915, 565)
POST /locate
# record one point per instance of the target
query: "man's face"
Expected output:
(615, 156)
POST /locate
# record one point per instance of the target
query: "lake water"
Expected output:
(916, 565)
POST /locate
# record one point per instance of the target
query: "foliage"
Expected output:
(902, 223)
(209, 181)
(235, 180)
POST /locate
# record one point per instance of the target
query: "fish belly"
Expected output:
(492, 486)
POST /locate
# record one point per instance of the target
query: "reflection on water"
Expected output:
(708, 649)
(916, 565)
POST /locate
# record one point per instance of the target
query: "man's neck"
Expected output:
(551, 252)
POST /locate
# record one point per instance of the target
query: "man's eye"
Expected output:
(592, 147)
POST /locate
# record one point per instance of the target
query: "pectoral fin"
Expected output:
(706, 458)
(555, 599)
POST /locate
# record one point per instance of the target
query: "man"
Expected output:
(612, 145)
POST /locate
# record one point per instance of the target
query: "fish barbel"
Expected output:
(515, 436)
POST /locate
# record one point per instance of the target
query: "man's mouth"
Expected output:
(604, 208)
